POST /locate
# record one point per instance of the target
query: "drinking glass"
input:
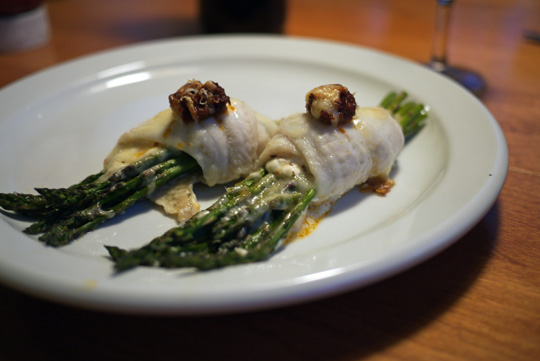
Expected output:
(466, 77)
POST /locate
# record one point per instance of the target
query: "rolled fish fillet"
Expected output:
(335, 157)
(226, 146)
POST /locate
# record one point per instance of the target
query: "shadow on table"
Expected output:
(352, 325)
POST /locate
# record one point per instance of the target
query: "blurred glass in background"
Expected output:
(242, 16)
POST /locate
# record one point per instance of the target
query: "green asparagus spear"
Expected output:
(409, 115)
(114, 202)
(64, 214)
(248, 222)
(50, 201)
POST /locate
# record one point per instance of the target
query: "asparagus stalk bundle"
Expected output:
(64, 214)
(253, 217)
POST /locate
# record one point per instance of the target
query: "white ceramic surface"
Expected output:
(59, 124)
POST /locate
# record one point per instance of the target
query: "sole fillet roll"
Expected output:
(226, 147)
(334, 158)
(203, 136)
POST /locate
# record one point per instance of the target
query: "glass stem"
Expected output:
(440, 39)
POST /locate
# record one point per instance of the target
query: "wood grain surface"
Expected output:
(478, 300)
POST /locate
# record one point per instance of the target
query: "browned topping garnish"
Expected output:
(332, 104)
(379, 185)
(196, 101)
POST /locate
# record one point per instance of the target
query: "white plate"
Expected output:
(59, 124)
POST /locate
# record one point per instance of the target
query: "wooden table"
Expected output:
(478, 300)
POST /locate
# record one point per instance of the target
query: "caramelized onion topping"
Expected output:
(332, 104)
(196, 101)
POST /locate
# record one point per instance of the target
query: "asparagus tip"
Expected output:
(115, 252)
